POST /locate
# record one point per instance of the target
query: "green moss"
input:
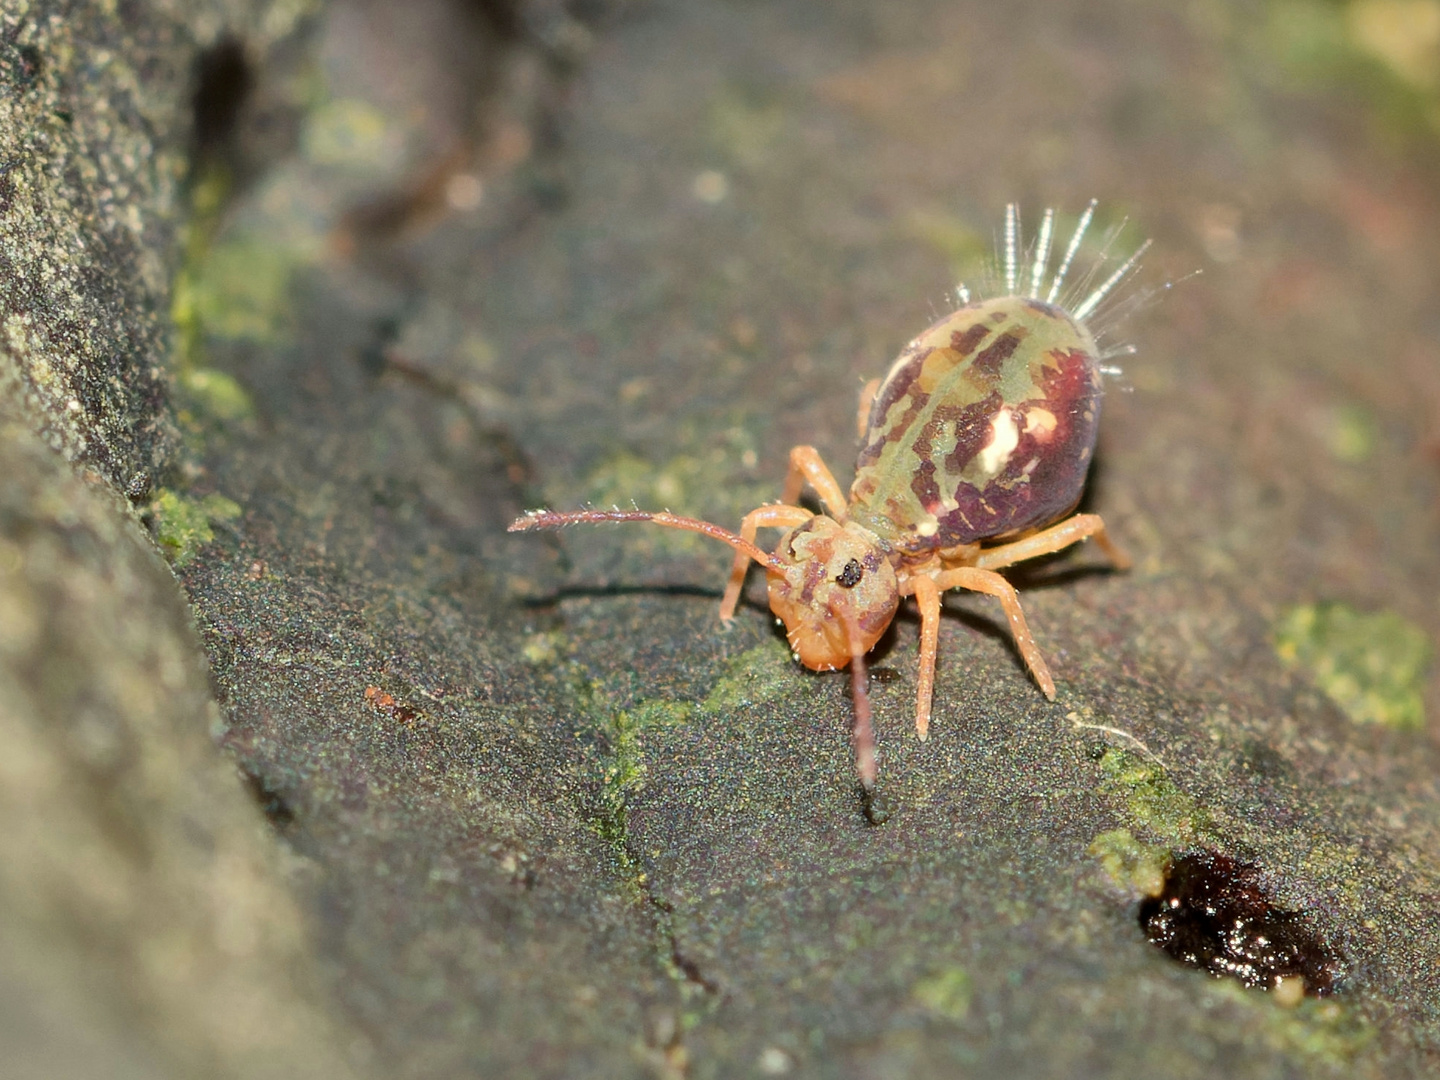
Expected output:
(1372, 665)
(216, 393)
(746, 122)
(761, 674)
(946, 994)
(241, 291)
(623, 766)
(1352, 435)
(1153, 801)
(1328, 1032)
(348, 133)
(1380, 52)
(964, 246)
(208, 195)
(1136, 867)
(182, 525)
(238, 290)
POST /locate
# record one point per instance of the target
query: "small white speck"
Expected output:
(73, 405)
(1219, 228)
(1289, 991)
(710, 186)
(773, 1061)
(464, 192)
(1040, 423)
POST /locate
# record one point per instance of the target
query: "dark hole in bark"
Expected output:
(223, 81)
(1215, 914)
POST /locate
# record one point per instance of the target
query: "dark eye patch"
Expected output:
(850, 576)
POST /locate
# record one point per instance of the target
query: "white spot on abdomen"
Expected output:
(1004, 438)
(1040, 423)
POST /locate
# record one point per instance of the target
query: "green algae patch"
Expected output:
(963, 245)
(712, 479)
(349, 133)
(237, 288)
(945, 994)
(1382, 52)
(1352, 435)
(1327, 1032)
(746, 122)
(1152, 799)
(757, 675)
(688, 484)
(1134, 866)
(182, 526)
(623, 766)
(215, 393)
(754, 676)
(626, 477)
(543, 648)
(1372, 665)
(240, 291)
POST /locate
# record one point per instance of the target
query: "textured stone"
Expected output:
(146, 923)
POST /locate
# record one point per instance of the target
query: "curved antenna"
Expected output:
(863, 733)
(551, 519)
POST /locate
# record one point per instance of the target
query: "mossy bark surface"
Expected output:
(634, 834)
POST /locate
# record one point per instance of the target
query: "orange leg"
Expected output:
(1055, 538)
(867, 398)
(806, 464)
(927, 590)
(927, 599)
(778, 515)
(987, 581)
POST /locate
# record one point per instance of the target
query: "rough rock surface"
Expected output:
(95, 134)
(562, 816)
(147, 927)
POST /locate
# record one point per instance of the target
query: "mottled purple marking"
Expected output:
(966, 343)
(988, 362)
(885, 432)
(972, 430)
(924, 486)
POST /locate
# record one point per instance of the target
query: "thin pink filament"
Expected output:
(551, 519)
